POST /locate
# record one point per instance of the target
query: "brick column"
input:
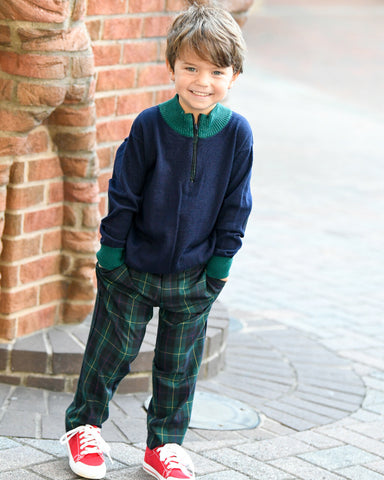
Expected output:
(48, 168)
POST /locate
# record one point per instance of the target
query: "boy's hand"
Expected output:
(224, 279)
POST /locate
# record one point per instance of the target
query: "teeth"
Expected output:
(200, 94)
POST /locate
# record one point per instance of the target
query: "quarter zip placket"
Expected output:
(194, 153)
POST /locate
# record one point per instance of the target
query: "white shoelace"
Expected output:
(90, 440)
(176, 457)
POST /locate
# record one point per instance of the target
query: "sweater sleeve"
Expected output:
(236, 207)
(124, 192)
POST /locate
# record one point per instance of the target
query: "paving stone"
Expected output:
(360, 473)
(372, 429)
(27, 400)
(303, 470)
(244, 464)
(336, 458)
(20, 474)
(376, 466)
(225, 475)
(316, 439)
(30, 354)
(361, 441)
(266, 450)
(21, 457)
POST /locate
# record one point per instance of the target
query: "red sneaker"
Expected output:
(85, 450)
(168, 462)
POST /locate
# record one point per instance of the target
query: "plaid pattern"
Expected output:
(123, 308)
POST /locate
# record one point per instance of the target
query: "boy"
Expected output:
(179, 200)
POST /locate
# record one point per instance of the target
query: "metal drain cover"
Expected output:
(215, 412)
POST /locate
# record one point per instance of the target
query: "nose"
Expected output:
(203, 78)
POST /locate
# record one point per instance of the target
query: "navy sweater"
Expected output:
(180, 194)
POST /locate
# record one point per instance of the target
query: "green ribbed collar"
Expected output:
(182, 123)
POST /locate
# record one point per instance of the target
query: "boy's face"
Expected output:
(199, 83)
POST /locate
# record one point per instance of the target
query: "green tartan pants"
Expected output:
(123, 308)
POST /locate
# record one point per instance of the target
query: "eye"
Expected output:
(190, 69)
(217, 73)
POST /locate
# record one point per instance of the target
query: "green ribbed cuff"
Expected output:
(218, 267)
(110, 257)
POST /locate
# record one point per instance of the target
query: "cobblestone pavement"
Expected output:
(306, 291)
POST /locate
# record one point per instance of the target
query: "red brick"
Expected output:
(73, 40)
(122, 28)
(76, 93)
(36, 66)
(81, 291)
(43, 169)
(84, 242)
(56, 192)
(74, 167)
(138, 6)
(110, 7)
(3, 202)
(8, 329)
(74, 313)
(51, 241)
(25, 197)
(80, 10)
(105, 106)
(141, 51)
(81, 192)
(43, 318)
(17, 174)
(116, 79)
(17, 121)
(38, 269)
(153, 75)
(164, 95)
(76, 117)
(70, 216)
(6, 88)
(13, 224)
(176, 5)
(36, 142)
(47, 11)
(113, 130)
(43, 219)
(76, 141)
(105, 156)
(30, 94)
(15, 249)
(10, 276)
(51, 292)
(83, 66)
(107, 54)
(91, 216)
(5, 35)
(134, 103)
(103, 206)
(94, 29)
(157, 26)
(11, 146)
(15, 301)
(104, 181)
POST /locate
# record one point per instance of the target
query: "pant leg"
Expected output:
(119, 322)
(187, 300)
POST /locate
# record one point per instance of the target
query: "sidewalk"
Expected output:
(306, 291)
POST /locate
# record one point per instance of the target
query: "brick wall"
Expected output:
(73, 76)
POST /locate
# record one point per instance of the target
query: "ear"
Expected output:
(233, 80)
(170, 70)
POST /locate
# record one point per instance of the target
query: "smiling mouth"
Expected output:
(200, 94)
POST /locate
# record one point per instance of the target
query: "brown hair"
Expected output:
(211, 32)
